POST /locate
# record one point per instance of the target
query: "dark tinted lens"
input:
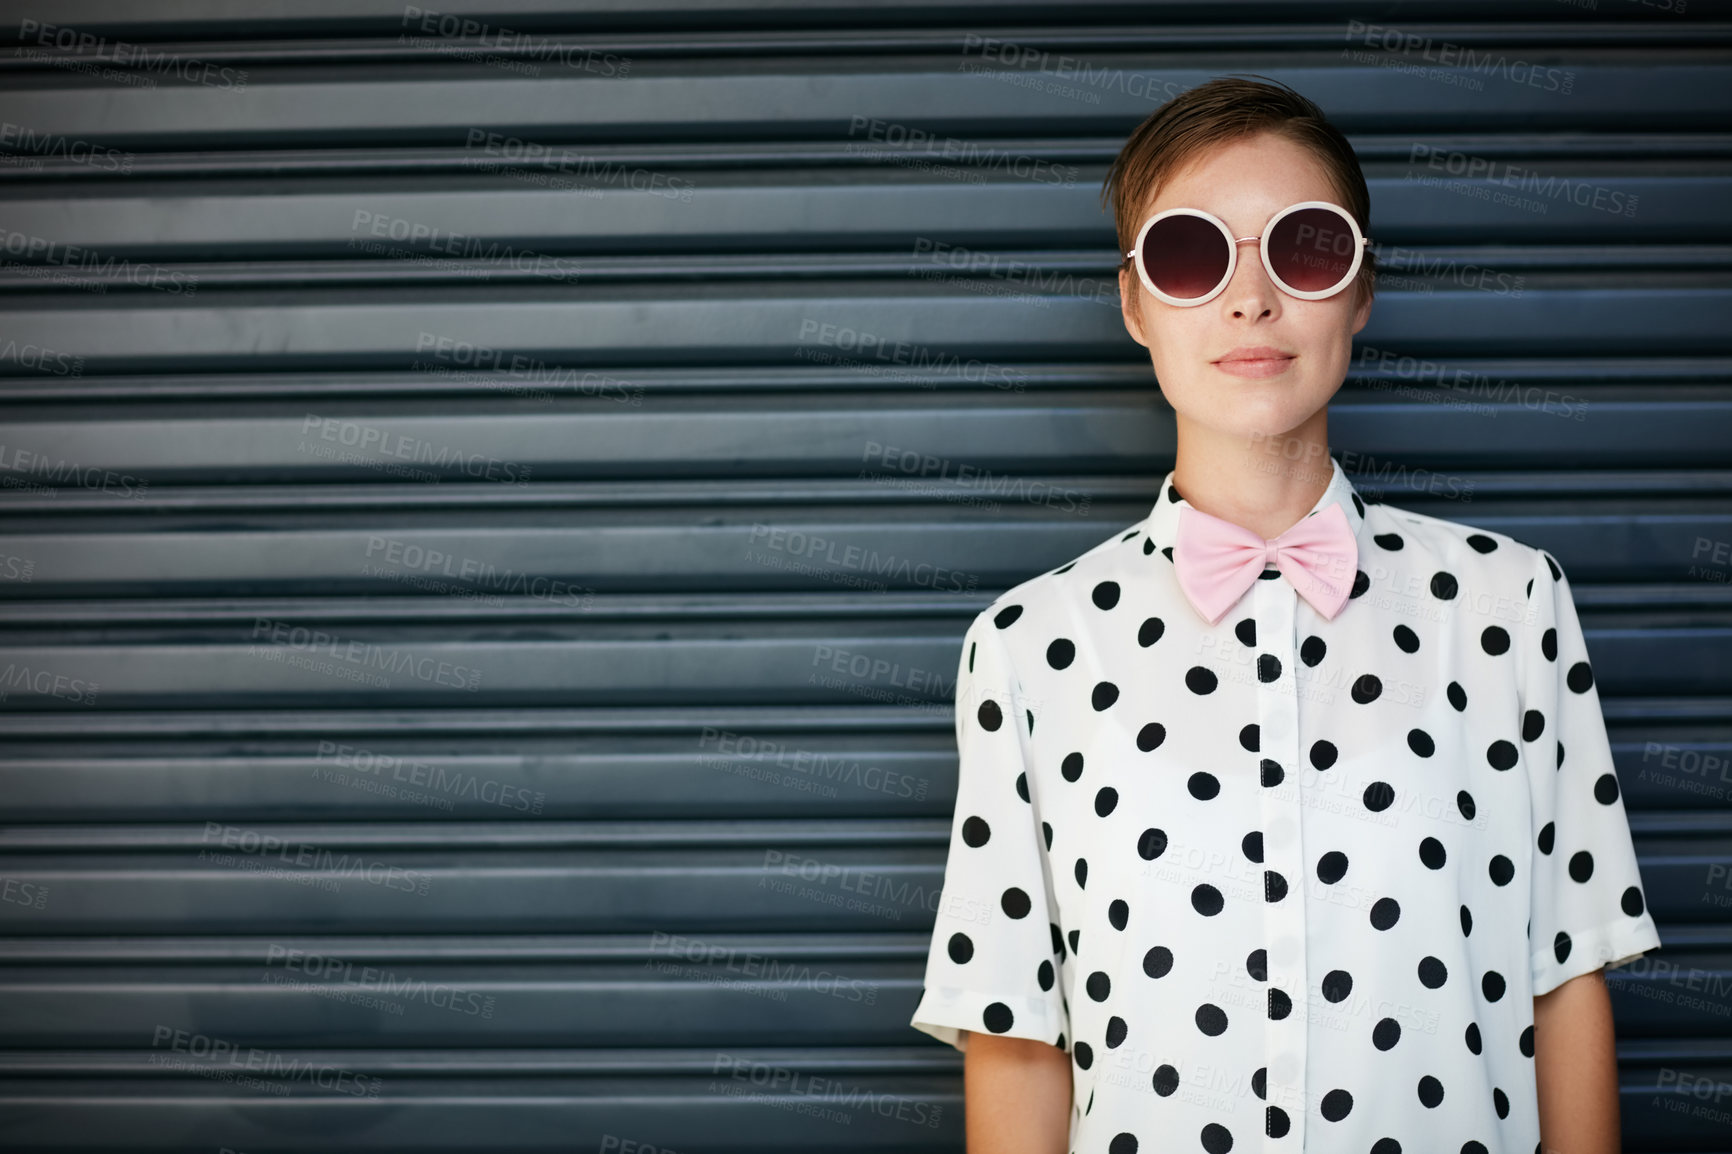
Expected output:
(1312, 249)
(1186, 256)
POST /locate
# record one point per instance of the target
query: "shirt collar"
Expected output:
(1163, 519)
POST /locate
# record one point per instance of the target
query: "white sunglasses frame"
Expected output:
(1233, 243)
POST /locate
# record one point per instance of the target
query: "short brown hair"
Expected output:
(1226, 109)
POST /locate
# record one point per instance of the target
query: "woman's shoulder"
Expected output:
(1400, 537)
(1051, 593)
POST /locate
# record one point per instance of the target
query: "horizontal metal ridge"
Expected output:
(503, 948)
(502, 836)
(874, 38)
(538, 1062)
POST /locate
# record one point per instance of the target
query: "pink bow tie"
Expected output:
(1217, 560)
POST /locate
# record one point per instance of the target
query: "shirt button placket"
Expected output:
(1274, 604)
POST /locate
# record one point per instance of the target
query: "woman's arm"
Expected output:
(1576, 1066)
(1016, 1096)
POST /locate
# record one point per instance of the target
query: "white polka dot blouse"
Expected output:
(1284, 883)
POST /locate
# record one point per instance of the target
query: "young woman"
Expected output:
(1285, 821)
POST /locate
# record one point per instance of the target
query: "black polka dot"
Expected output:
(1257, 964)
(1420, 742)
(1525, 1043)
(1099, 986)
(1471, 1037)
(1106, 594)
(1581, 866)
(1360, 584)
(1443, 586)
(1246, 632)
(1332, 867)
(1389, 541)
(1150, 631)
(1464, 802)
(990, 716)
(1203, 786)
(1379, 796)
(1466, 922)
(1123, 1143)
(1268, 668)
(1216, 1138)
(1430, 1092)
(961, 948)
(1072, 766)
(1274, 886)
(1106, 800)
(1211, 1019)
(1007, 616)
(1457, 696)
(1312, 651)
(1271, 772)
(1105, 693)
(1275, 1122)
(1150, 736)
(1323, 754)
(1386, 1034)
(1152, 844)
(1015, 903)
(1366, 689)
(1166, 1080)
(1500, 1102)
(1084, 1055)
(1248, 738)
(1385, 912)
(1200, 680)
(1492, 985)
(1158, 962)
(1494, 640)
(1580, 678)
(1337, 1104)
(1432, 854)
(997, 1018)
(1501, 869)
(1206, 900)
(1501, 754)
(1116, 1031)
(1061, 653)
(1251, 845)
(1631, 902)
(1549, 644)
(1561, 946)
(1082, 873)
(1280, 1005)
(1336, 985)
(1481, 543)
(1606, 788)
(975, 832)
(1432, 972)
(1406, 639)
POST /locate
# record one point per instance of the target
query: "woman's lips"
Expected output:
(1255, 366)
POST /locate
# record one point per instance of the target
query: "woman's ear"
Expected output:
(1130, 305)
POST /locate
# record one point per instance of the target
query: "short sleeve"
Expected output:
(993, 965)
(1587, 907)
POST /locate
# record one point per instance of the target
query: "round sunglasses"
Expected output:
(1311, 250)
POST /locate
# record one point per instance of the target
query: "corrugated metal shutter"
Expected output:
(489, 513)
